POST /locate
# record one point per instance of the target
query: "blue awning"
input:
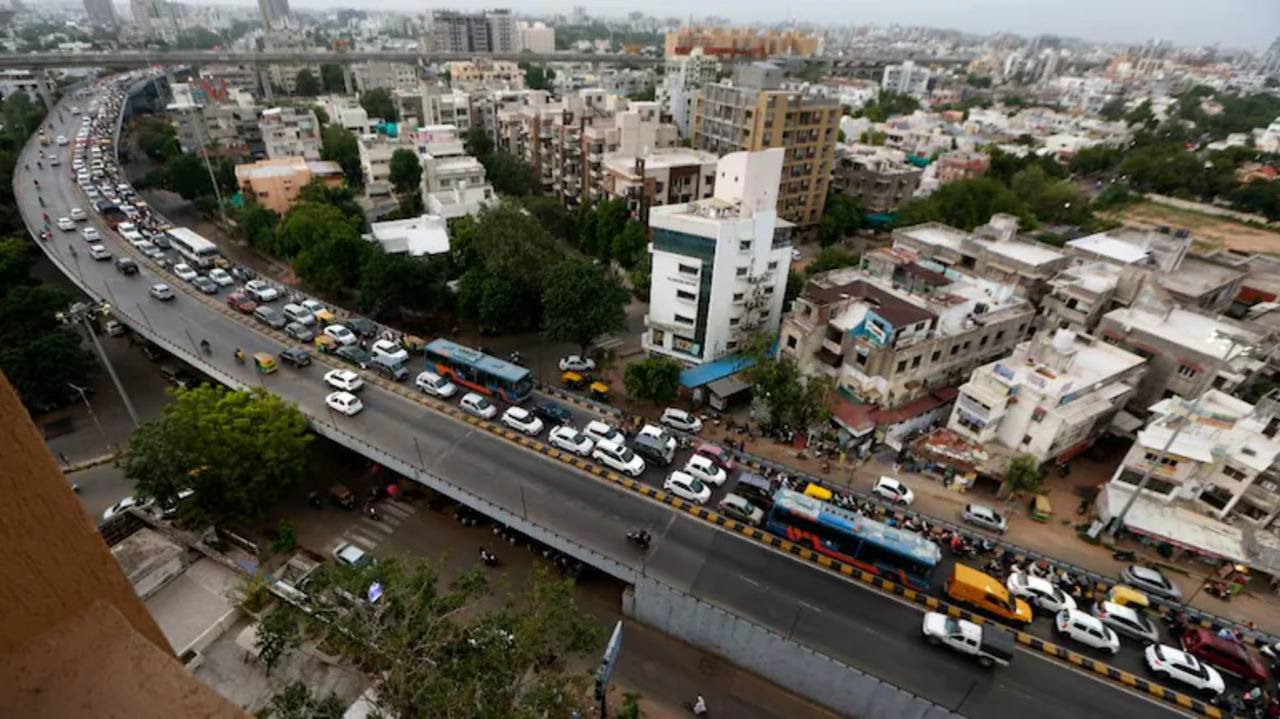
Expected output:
(710, 372)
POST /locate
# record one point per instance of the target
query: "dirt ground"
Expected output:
(1210, 233)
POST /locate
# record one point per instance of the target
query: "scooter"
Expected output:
(372, 512)
(489, 559)
(640, 538)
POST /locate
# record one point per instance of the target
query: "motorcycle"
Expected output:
(640, 538)
(372, 512)
(314, 500)
(1083, 507)
(1124, 555)
(488, 558)
(1219, 590)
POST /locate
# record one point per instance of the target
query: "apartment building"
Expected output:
(484, 73)
(290, 132)
(961, 165)
(1080, 295)
(536, 38)
(751, 113)
(682, 78)
(284, 76)
(901, 326)
(235, 129)
(345, 112)
(475, 32)
(376, 150)
(432, 104)
(666, 176)
(388, 75)
(1050, 399)
(992, 251)
(1223, 463)
(907, 79)
(720, 265)
(740, 42)
(275, 184)
(102, 13)
(879, 181)
(153, 19)
(1187, 352)
(453, 182)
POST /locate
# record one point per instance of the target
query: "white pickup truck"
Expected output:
(989, 645)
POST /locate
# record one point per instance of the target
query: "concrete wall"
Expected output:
(802, 670)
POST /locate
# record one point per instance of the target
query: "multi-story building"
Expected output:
(275, 184)
(907, 79)
(484, 73)
(273, 12)
(752, 114)
(453, 182)
(537, 38)
(291, 132)
(23, 81)
(879, 182)
(891, 332)
(1079, 296)
(1188, 353)
(992, 251)
(154, 19)
(283, 76)
(388, 75)
(475, 32)
(720, 265)
(1223, 463)
(102, 13)
(683, 76)
(740, 42)
(376, 150)
(1050, 399)
(345, 112)
(961, 165)
(666, 176)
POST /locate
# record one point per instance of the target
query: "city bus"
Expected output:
(198, 251)
(478, 371)
(896, 554)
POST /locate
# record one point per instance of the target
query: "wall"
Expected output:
(802, 670)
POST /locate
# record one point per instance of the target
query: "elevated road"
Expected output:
(846, 621)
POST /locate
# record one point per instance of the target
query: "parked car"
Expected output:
(552, 413)
(317, 308)
(390, 350)
(205, 285)
(353, 355)
(341, 335)
(740, 508)
(1150, 581)
(599, 431)
(185, 272)
(1126, 621)
(269, 316)
(894, 491)
(261, 291)
(221, 277)
(1168, 663)
(985, 517)
(521, 419)
(618, 457)
(686, 486)
(1086, 629)
(435, 385)
(299, 332)
(681, 420)
(570, 440)
(714, 452)
(1226, 655)
(705, 470)
(577, 363)
(361, 326)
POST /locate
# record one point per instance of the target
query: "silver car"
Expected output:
(299, 331)
(983, 516)
(1150, 581)
(1127, 622)
(269, 316)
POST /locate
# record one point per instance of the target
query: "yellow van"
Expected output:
(983, 591)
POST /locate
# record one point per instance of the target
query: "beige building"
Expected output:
(275, 184)
(481, 72)
(741, 42)
(290, 132)
(537, 38)
(375, 161)
(752, 113)
(665, 176)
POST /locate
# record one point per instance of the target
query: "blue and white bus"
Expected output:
(896, 554)
(478, 371)
(198, 251)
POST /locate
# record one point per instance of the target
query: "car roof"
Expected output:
(705, 461)
(683, 477)
(1028, 580)
(518, 411)
(1083, 617)
(1147, 573)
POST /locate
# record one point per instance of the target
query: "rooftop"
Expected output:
(417, 236)
(1095, 277)
(662, 158)
(1196, 276)
(1184, 328)
(1103, 245)
(1029, 253)
(1067, 364)
(936, 234)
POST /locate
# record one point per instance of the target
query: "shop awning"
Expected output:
(727, 387)
(1179, 526)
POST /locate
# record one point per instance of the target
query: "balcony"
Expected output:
(833, 347)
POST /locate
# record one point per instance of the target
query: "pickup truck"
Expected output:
(989, 645)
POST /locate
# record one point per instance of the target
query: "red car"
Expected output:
(241, 302)
(717, 454)
(1227, 655)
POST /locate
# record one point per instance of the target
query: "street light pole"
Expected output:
(1117, 522)
(81, 313)
(85, 397)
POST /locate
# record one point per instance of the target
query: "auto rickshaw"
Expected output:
(265, 363)
(341, 496)
(326, 344)
(818, 492)
(414, 344)
(599, 391)
(573, 381)
(1129, 597)
(1040, 509)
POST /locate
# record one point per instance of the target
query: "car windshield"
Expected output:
(952, 626)
(482, 403)
(696, 485)
(627, 456)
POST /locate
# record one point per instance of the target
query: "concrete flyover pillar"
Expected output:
(264, 77)
(348, 80)
(44, 86)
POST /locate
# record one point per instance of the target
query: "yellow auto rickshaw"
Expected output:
(265, 363)
(818, 492)
(326, 344)
(1040, 509)
(1129, 597)
(573, 381)
(414, 344)
(599, 391)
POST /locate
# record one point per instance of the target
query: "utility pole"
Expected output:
(83, 313)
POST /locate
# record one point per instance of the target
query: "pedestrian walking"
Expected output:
(64, 459)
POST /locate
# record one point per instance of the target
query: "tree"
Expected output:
(842, 216)
(340, 198)
(187, 176)
(1051, 201)
(966, 204)
(296, 701)
(239, 452)
(1023, 474)
(629, 246)
(322, 117)
(537, 77)
(16, 260)
(646, 95)
(1113, 110)
(478, 144)
(258, 226)
(509, 174)
(655, 379)
(785, 398)
(338, 144)
(379, 104)
(278, 634)
(332, 260)
(889, 104)
(582, 301)
(39, 355)
(1095, 160)
(831, 259)
(155, 137)
(551, 213)
(306, 83)
(602, 227)
(512, 244)
(1142, 116)
(333, 79)
(439, 652)
(981, 82)
(393, 283)
(405, 171)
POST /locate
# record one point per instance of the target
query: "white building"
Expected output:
(719, 265)
(291, 132)
(347, 113)
(388, 75)
(537, 37)
(453, 182)
(375, 162)
(1050, 398)
(416, 236)
(24, 81)
(907, 78)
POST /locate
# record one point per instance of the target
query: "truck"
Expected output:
(989, 645)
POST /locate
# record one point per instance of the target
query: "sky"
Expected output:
(1231, 23)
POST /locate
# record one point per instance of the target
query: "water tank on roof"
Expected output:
(1064, 340)
(980, 308)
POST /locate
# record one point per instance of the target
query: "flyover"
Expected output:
(862, 628)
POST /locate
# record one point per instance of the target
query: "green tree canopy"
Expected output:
(512, 244)
(240, 452)
(332, 79)
(394, 283)
(341, 198)
(405, 172)
(155, 137)
(551, 213)
(537, 77)
(379, 104)
(841, 217)
(187, 176)
(786, 398)
(1050, 200)
(478, 143)
(330, 250)
(966, 204)
(1095, 160)
(38, 354)
(656, 379)
(582, 301)
(278, 634)
(831, 259)
(508, 174)
(338, 144)
(306, 83)
(257, 226)
(1023, 475)
(889, 104)
(1113, 110)
(297, 701)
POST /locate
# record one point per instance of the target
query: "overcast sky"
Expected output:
(1231, 23)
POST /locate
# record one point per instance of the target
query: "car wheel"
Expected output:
(932, 640)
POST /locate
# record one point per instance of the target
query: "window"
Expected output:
(1000, 336)
(1026, 439)
(683, 320)
(1110, 339)
(1038, 415)
(688, 270)
(902, 366)
(768, 290)
(733, 321)
(1169, 462)
(791, 342)
(1157, 486)
(983, 342)
(966, 346)
(744, 246)
(738, 296)
(773, 265)
(1187, 371)
(686, 295)
(937, 355)
(1235, 474)
(742, 272)
(915, 361)
(1215, 497)
(954, 350)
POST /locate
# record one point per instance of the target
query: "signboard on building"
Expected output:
(1004, 372)
(1037, 380)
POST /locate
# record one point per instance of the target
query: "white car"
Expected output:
(62, 139)
(119, 507)
(185, 272)
(90, 234)
(220, 277)
(66, 225)
(1039, 593)
(686, 486)
(478, 405)
(706, 470)
(161, 292)
(78, 214)
(349, 555)
(318, 309)
(618, 457)
(1086, 629)
(1169, 663)
(894, 491)
(577, 363)
(390, 350)
(681, 420)
(598, 432)
(98, 252)
(570, 440)
(341, 335)
(261, 291)
(344, 379)
(54, 161)
(985, 517)
(344, 402)
(433, 384)
(521, 419)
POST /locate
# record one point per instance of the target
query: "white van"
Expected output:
(299, 314)
(433, 384)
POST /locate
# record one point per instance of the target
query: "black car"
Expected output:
(296, 357)
(126, 266)
(361, 326)
(552, 413)
(353, 355)
(177, 376)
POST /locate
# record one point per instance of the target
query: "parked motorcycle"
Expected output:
(1124, 555)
